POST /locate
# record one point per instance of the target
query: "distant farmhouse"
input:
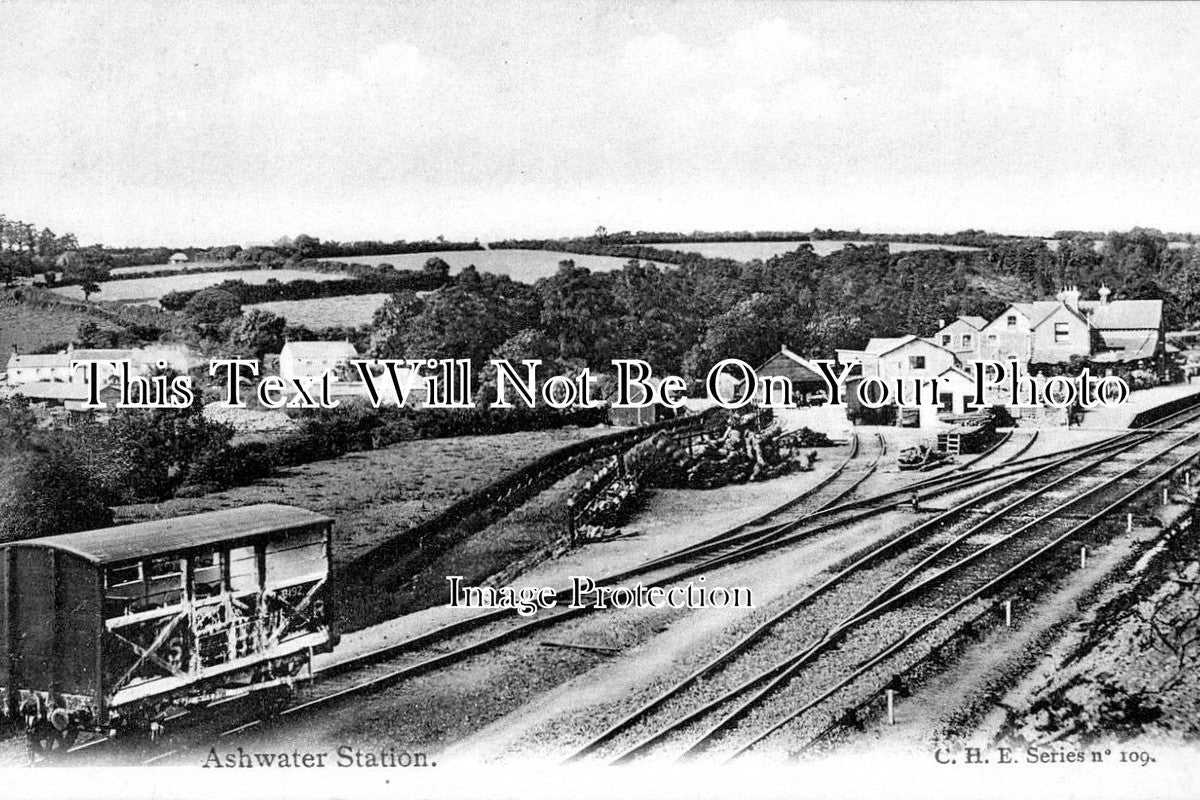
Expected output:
(49, 379)
(35, 368)
(305, 360)
(178, 258)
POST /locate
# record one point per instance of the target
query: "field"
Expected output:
(325, 312)
(375, 495)
(30, 328)
(151, 289)
(520, 265)
(747, 251)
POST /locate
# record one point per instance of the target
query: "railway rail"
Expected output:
(824, 507)
(949, 564)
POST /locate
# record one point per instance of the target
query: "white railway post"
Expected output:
(891, 705)
(1128, 522)
(1165, 501)
(1008, 613)
(1083, 557)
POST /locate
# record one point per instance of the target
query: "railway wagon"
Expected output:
(135, 621)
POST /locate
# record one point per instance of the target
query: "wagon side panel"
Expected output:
(32, 583)
(7, 685)
(79, 607)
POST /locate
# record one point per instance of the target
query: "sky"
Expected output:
(227, 122)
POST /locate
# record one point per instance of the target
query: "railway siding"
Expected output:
(874, 631)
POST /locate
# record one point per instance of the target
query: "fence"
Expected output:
(483, 506)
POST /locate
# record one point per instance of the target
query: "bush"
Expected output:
(1000, 417)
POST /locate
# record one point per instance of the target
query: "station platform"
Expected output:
(1139, 401)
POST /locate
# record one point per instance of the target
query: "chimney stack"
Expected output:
(1070, 297)
(1104, 293)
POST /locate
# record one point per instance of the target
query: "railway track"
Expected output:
(479, 633)
(499, 628)
(454, 643)
(951, 557)
(824, 507)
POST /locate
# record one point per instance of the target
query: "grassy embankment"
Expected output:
(376, 495)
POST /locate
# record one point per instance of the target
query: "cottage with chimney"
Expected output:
(1053, 331)
(311, 360)
(1104, 331)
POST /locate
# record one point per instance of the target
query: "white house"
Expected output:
(955, 390)
(960, 336)
(56, 367)
(178, 258)
(1051, 331)
(1010, 335)
(299, 360)
(902, 357)
(38, 368)
(913, 359)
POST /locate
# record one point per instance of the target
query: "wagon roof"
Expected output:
(123, 542)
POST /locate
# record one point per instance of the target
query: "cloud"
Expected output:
(392, 71)
(393, 63)
(749, 72)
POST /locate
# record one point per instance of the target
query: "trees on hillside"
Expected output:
(46, 491)
(257, 333)
(24, 250)
(579, 310)
(89, 281)
(467, 318)
(209, 309)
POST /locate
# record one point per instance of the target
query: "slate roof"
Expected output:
(100, 355)
(1125, 314)
(791, 366)
(319, 350)
(36, 360)
(124, 542)
(888, 345)
(64, 359)
(1131, 346)
(879, 346)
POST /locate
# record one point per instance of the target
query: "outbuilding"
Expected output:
(802, 375)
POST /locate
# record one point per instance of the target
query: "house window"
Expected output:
(946, 402)
(966, 340)
(916, 362)
(1062, 333)
(991, 338)
(1011, 321)
(945, 340)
